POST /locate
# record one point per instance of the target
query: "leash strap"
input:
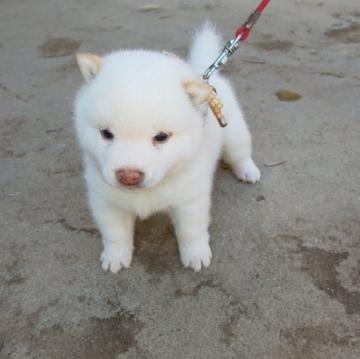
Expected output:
(241, 34)
(232, 45)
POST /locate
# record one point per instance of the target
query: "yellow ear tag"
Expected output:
(216, 106)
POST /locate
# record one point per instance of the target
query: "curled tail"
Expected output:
(205, 48)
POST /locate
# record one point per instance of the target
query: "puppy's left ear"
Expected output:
(198, 91)
(89, 65)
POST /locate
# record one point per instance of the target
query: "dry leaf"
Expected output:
(149, 7)
(273, 164)
(287, 95)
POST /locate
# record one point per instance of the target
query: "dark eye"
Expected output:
(161, 137)
(107, 134)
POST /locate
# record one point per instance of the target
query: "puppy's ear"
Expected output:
(89, 65)
(198, 91)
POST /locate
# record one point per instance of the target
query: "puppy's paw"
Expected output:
(196, 255)
(114, 258)
(247, 171)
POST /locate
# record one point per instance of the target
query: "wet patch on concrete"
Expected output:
(91, 230)
(321, 266)
(156, 246)
(58, 47)
(194, 291)
(235, 310)
(95, 338)
(355, 274)
(228, 326)
(274, 45)
(348, 34)
(227, 329)
(13, 273)
(13, 279)
(308, 341)
(20, 327)
(90, 338)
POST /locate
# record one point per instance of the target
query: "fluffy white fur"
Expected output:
(137, 94)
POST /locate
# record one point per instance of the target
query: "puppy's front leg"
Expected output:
(191, 225)
(117, 230)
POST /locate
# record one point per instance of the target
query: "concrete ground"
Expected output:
(285, 278)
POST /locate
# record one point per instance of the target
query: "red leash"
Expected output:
(241, 34)
(244, 29)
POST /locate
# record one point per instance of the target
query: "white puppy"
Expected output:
(151, 144)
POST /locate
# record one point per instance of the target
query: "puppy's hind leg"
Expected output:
(237, 146)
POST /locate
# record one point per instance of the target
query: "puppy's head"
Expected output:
(140, 116)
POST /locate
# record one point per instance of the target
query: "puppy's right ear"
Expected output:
(89, 65)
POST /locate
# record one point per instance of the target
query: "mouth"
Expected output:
(129, 188)
(141, 187)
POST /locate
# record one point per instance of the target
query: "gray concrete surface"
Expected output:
(285, 279)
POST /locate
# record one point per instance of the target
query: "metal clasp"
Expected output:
(221, 60)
